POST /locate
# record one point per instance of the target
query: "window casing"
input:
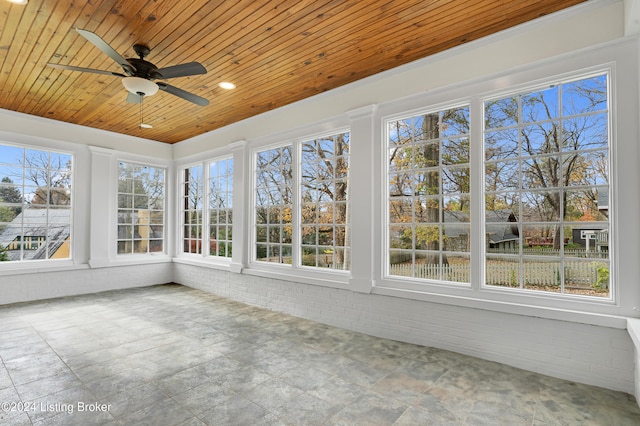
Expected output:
(301, 204)
(141, 209)
(35, 204)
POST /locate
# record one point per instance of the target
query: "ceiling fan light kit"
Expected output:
(140, 86)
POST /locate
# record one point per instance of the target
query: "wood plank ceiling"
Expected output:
(276, 52)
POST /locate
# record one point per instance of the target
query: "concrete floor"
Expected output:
(171, 355)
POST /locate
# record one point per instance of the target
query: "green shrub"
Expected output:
(602, 278)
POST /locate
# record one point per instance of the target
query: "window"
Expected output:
(220, 207)
(274, 203)
(207, 208)
(35, 204)
(547, 189)
(321, 216)
(141, 193)
(325, 210)
(192, 209)
(428, 196)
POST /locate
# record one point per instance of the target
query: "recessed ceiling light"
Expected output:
(227, 85)
(18, 1)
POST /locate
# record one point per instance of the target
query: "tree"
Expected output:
(429, 174)
(46, 177)
(324, 196)
(564, 148)
(8, 192)
(274, 202)
(10, 201)
(4, 255)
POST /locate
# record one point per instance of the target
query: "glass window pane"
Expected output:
(501, 144)
(583, 96)
(540, 106)
(455, 151)
(541, 206)
(541, 138)
(141, 203)
(541, 172)
(502, 176)
(586, 132)
(501, 113)
(541, 274)
(502, 271)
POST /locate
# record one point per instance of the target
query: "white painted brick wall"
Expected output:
(583, 353)
(38, 286)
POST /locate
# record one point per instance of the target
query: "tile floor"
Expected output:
(171, 355)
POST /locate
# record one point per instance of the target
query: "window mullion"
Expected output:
(296, 205)
(206, 220)
(476, 197)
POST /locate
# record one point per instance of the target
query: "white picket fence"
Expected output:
(550, 251)
(583, 274)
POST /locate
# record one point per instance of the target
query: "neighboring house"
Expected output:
(40, 233)
(592, 238)
(502, 230)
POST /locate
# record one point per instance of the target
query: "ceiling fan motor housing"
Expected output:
(144, 69)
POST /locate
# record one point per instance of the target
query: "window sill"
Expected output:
(37, 267)
(509, 307)
(333, 279)
(126, 261)
(213, 263)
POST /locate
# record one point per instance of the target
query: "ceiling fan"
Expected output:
(140, 75)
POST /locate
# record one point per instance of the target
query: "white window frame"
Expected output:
(334, 225)
(387, 196)
(25, 264)
(204, 255)
(181, 210)
(207, 208)
(320, 276)
(294, 196)
(540, 85)
(474, 92)
(165, 225)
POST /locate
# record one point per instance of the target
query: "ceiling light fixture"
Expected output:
(22, 2)
(227, 85)
(140, 86)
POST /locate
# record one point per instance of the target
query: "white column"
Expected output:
(241, 205)
(102, 193)
(363, 144)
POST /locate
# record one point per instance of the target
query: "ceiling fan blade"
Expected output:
(108, 50)
(183, 94)
(183, 70)
(132, 98)
(71, 68)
